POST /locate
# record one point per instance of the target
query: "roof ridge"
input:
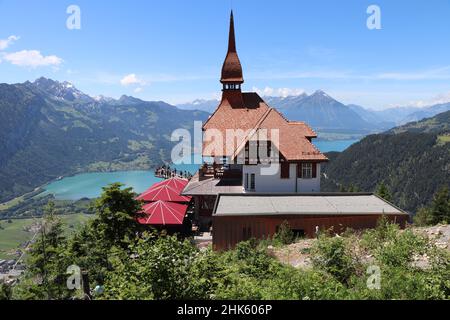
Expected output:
(212, 114)
(295, 122)
(282, 115)
(252, 131)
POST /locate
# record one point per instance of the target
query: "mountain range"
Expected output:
(326, 114)
(50, 129)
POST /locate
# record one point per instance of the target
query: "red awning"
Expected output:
(163, 192)
(176, 183)
(163, 213)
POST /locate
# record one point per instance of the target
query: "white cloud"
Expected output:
(267, 91)
(5, 43)
(439, 99)
(137, 90)
(286, 92)
(281, 92)
(132, 79)
(31, 58)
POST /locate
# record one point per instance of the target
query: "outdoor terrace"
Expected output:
(220, 172)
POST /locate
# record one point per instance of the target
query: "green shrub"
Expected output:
(293, 284)
(385, 231)
(5, 291)
(158, 268)
(332, 255)
(423, 217)
(401, 249)
(284, 235)
(252, 260)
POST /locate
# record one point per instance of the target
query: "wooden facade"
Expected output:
(230, 230)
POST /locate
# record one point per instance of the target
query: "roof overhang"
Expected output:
(304, 204)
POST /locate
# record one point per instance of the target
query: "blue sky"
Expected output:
(173, 50)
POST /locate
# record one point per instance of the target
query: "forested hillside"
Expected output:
(412, 160)
(49, 129)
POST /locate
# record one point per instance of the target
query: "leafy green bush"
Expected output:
(332, 255)
(411, 266)
(385, 231)
(158, 268)
(5, 291)
(423, 217)
(400, 250)
(284, 234)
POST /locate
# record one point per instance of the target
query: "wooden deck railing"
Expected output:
(220, 172)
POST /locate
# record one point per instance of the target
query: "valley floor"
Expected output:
(16, 233)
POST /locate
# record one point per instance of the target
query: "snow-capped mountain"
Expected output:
(61, 90)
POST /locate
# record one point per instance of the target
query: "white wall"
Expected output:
(274, 183)
(310, 185)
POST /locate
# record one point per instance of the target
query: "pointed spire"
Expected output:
(232, 69)
(231, 39)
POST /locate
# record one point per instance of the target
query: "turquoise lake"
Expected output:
(89, 185)
(336, 145)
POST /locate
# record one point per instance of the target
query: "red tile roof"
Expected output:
(228, 117)
(256, 115)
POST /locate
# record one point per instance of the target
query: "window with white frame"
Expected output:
(307, 170)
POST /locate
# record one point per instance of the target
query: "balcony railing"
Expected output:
(219, 171)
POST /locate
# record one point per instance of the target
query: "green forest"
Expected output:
(413, 161)
(44, 137)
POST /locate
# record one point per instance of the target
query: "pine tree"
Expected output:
(423, 217)
(116, 212)
(440, 207)
(45, 277)
(383, 192)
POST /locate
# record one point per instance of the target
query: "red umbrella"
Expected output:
(176, 183)
(163, 213)
(163, 192)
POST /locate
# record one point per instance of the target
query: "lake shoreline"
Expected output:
(324, 145)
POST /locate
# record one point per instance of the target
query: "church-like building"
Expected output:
(257, 152)
(244, 126)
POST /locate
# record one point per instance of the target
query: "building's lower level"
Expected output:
(239, 218)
